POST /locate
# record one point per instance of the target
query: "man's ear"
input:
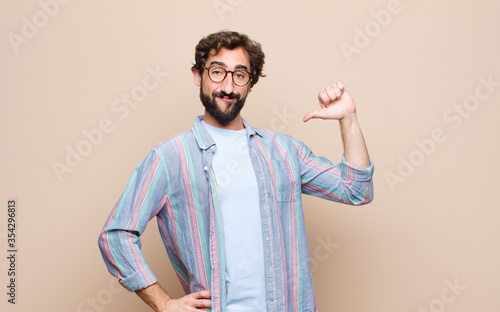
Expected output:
(196, 77)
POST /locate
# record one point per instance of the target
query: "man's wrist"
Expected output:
(348, 119)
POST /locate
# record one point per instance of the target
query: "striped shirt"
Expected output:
(176, 183)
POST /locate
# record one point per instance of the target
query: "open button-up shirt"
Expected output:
(176, 183)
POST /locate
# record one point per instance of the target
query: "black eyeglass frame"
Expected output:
(232, 75)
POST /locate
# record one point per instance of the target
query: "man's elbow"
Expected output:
(101, 242)
(364, 198)
(368, 199)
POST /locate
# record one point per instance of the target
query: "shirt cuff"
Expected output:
(138, 280)
(350, 172)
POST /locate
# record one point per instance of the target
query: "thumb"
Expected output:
(312, 114)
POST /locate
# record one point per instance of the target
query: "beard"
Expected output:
(214, 110)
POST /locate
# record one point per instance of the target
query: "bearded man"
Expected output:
(227, 196)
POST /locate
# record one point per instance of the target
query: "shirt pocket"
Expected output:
(287, 183)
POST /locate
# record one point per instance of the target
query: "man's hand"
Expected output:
(335, 102)
(157, 298)
(191, 302)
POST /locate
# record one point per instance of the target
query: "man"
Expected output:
(227, 196)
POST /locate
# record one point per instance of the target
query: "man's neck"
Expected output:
(235, 124)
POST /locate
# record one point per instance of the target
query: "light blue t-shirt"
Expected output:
(239, 198)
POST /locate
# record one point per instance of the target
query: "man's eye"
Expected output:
(240, 75)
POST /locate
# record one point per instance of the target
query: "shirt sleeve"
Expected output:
(340, 182)
(119, 240)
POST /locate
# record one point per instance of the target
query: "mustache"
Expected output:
(231, 95)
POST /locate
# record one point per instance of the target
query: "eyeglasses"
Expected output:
(217, 74)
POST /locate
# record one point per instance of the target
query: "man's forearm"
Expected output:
(355, 151)
(154, 296)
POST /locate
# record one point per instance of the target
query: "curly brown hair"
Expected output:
(230, 40)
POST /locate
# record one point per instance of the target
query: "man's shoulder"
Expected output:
(180, 139)
(276, 136)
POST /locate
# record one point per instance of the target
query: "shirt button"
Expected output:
(203, 146)
(213, 146)
(205, 168)
(267, 238)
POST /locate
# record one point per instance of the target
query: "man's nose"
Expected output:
(227, 84)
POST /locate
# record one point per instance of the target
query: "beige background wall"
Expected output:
(415, 72)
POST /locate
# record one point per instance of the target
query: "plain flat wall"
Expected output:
(424, 75)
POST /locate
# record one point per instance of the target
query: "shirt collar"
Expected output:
(204, 139)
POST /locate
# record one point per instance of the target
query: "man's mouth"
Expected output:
(227, 99)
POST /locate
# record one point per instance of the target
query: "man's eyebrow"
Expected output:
(218, 63)
(239, 66)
